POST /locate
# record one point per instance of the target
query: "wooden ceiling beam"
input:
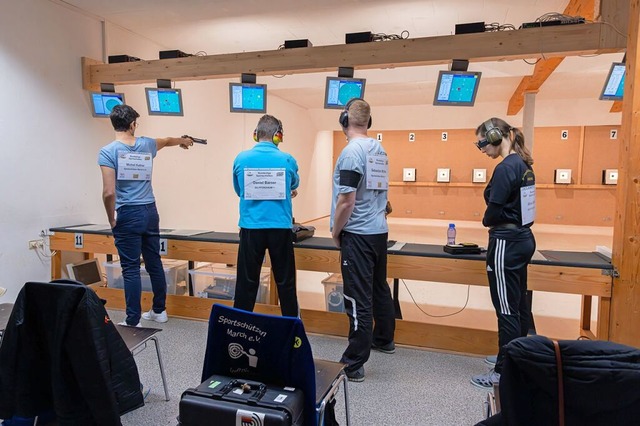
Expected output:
(545, 67)
(481, 47)
(616, 107)
(517, 99)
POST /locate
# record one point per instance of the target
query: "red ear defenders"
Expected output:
(493, 135)
(277, 137)
(344, 115)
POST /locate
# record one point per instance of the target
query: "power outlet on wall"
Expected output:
(35, 244)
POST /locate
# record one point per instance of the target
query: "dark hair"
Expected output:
(517, 140)
(267, 126)
(122, 116)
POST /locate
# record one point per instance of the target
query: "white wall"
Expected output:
(48, 171)
(194, 188)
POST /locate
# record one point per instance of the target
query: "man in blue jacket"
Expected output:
(266, 179)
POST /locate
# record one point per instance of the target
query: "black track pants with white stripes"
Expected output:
(507, 271)
(367, 297)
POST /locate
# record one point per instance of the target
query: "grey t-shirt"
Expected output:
(368, 214)
(129, 192)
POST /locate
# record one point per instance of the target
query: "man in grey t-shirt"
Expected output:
(359, 229)
(126, 165)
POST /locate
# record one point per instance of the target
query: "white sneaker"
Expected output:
(486, 381)
(152, 316)
(124, 323)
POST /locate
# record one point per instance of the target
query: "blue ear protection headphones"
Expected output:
(344, 115)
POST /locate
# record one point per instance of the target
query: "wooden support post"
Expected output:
(87, 84)
(604, 313)
(580, 156)
(528, 119)
(585, 313)
(56, 265)
(625, 302)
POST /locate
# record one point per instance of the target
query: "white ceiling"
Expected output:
(224, 26)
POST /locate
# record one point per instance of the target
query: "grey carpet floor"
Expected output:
(411, 387)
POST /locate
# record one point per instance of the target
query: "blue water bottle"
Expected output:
(451, 234)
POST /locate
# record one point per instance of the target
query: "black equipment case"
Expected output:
(462, 248)
(226, 401)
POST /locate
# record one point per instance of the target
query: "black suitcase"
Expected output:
(227, 401)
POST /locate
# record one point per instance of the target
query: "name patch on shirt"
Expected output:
(265, 184)
(528, 204)
(377, 172)
(135, 165)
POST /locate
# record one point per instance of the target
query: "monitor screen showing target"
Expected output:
(103, 102)
(457, 88)
(248, 97)
(164, 101)
(340, 90)
(614, 86)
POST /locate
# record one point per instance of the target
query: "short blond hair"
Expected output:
(359, 113)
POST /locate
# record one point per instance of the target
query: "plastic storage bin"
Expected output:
(333, 293)
(218, 281)
(175, 273)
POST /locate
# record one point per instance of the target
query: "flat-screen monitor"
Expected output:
(87, 272)
(164, 101)
(103, 102)
(457, 88)
(614, 85)
(340, 90)
(247, 97)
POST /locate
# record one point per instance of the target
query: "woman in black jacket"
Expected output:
(510, 199)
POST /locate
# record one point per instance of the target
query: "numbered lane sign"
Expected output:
(164, 245)
(78, 241)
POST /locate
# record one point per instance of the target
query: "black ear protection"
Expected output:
(344, 115)
(277, 137)
(494, 134)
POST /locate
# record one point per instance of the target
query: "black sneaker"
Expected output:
(389, 348)
(356, 376)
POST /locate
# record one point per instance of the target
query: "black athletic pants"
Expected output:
(253, 244)
(367, 296)
(507, 262)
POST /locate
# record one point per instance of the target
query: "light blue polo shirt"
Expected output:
(265, 214)
(129, 192)
(368, 214)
